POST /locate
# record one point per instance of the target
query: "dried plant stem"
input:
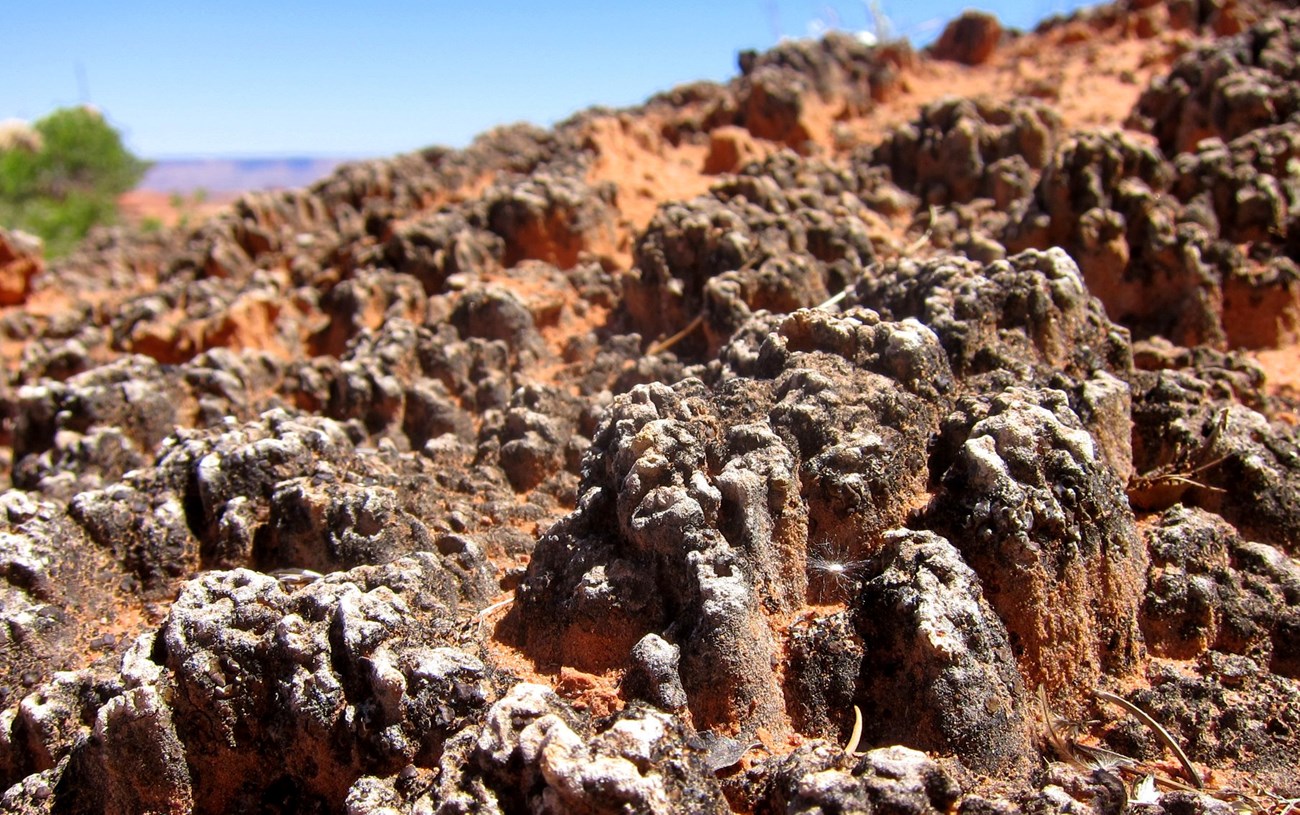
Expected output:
(837, 298)
(486, 612)
(856, 735)
(1292, 804)
(664, 345)
(919, 244)
(1063, 750)
(1193, 774)
(1097, 756)
(870, 269)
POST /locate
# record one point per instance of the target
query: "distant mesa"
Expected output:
(234, 175)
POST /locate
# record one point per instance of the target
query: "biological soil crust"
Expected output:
(823, 441)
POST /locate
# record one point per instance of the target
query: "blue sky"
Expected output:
(353, 79)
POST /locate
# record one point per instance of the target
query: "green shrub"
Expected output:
(66, 179)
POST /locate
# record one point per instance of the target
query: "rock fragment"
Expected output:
(970, 39)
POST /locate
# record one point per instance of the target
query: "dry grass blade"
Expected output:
(664, 345)
(1242, 802)
(1193, 774)
(1059, 744)
(836, 299)
(486, 612)
(919, 244)
(856, 735)
(1281, 805)
(871, 268)
(1102, 759)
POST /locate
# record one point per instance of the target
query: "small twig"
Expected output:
(1192, 773)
